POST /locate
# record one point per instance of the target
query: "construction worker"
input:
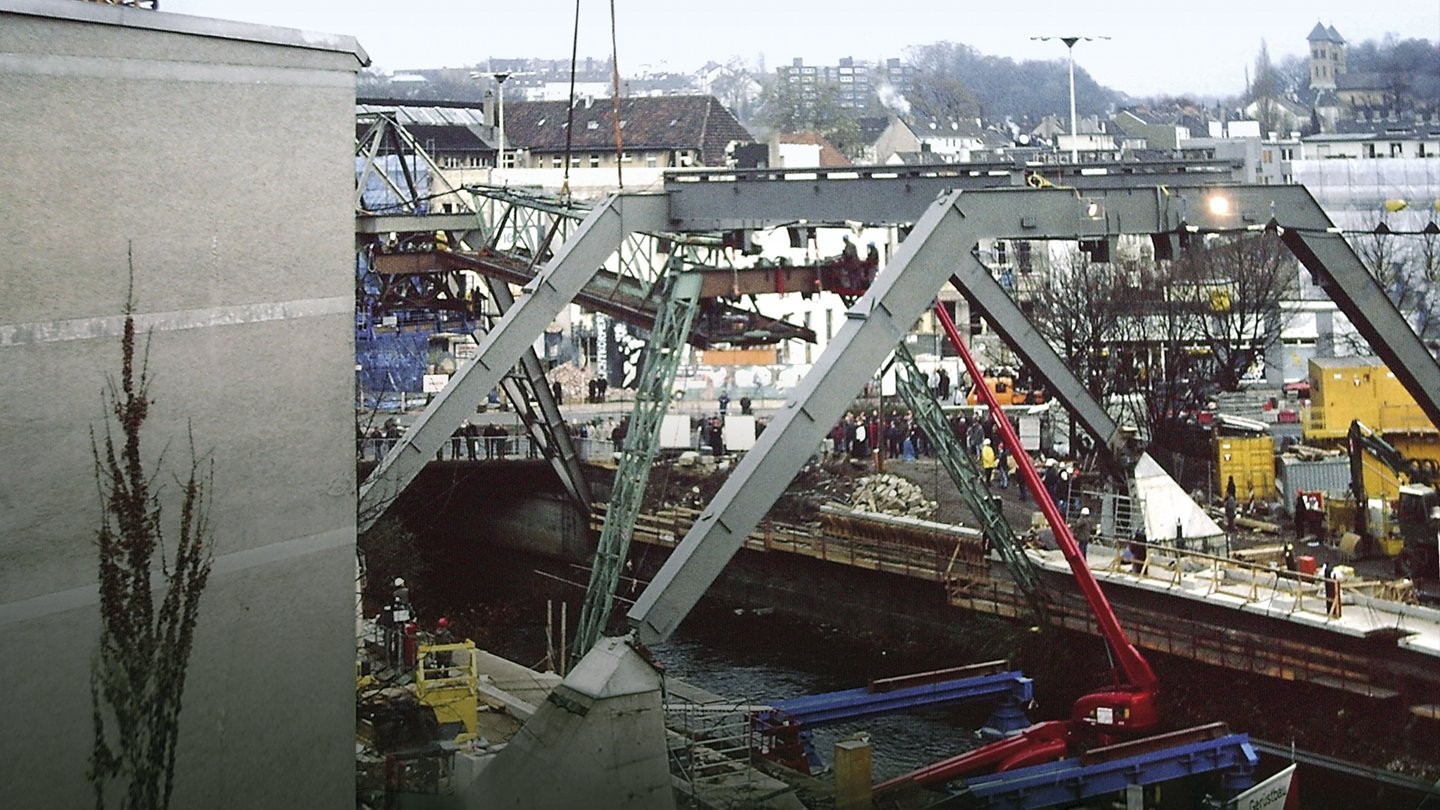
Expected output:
(443, 636)
(1083, 529)
(988, 460)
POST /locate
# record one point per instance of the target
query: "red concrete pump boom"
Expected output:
(1123, 709)
(1135, 682)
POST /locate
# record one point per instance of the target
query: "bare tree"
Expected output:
(1078, 305)
(1407, 265)
(1166, 346)
(1239, 282)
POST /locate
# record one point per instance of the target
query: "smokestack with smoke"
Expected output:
(892, 100)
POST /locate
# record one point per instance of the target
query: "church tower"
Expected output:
(1327, 56)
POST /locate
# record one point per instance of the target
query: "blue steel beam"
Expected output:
(1072, 780)
(812, 711)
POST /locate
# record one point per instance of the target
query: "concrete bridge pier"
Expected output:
(597, 741)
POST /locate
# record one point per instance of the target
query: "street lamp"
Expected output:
(1070, 49)
(499, 76)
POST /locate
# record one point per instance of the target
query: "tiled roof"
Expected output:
(872, 127)
(648, 124)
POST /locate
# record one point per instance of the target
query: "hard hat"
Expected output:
(1084, 511)
(444, 622)
(399, 583)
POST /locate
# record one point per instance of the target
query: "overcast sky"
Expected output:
(1155, 47)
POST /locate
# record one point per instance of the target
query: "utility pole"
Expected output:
(1070, 51)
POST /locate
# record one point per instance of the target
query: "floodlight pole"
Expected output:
(1070, 51)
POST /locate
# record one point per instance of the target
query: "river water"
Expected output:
(760, 659)
(500, 602)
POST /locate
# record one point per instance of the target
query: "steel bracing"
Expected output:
(575, 262)
(540, 413)
(939, 246)
(642, 441)
(965, 473)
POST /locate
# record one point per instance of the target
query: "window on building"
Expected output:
(650, 161)
(1002, 252)
(557, 163)
(594, 161)
(1369, 150)
(1396, 150)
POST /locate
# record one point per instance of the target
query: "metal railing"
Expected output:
(484, 448)
(710, 744)
(1247, 581)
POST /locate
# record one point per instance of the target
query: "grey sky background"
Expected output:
(1155, 47)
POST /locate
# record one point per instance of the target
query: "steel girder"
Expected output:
(873, 327)
(642, 441)
(541, 413)
(1342, 275)
(717, 200)
(575, 262)
(943, 239)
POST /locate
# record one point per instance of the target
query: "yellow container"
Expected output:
(1398, 411)
(1344, 389)
(1250, 460)
(1391, 546)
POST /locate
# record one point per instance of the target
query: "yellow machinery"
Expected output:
(1374, 522)
(1349, 389)
(446, 680)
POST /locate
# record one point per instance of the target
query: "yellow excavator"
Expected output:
(1413, 533)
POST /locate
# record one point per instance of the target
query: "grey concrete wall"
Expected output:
(221, 155)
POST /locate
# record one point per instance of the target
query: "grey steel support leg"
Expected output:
(547, 427)
(1014, 327)
(575, 263)
(1359, 295)
(873, 327)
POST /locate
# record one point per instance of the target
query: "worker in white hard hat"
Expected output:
(1083, 529)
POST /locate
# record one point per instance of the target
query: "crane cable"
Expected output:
(615, 94)
(570, 111)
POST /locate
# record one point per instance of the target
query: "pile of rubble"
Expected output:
(574, 381)
(891, 495)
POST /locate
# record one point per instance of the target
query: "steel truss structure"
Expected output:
(642, 442)
(965, 473)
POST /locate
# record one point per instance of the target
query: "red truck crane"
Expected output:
(1123, 709)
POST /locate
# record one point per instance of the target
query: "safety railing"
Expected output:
(710, 743)
(929, 561)
(1250, 582)
(509, 447)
